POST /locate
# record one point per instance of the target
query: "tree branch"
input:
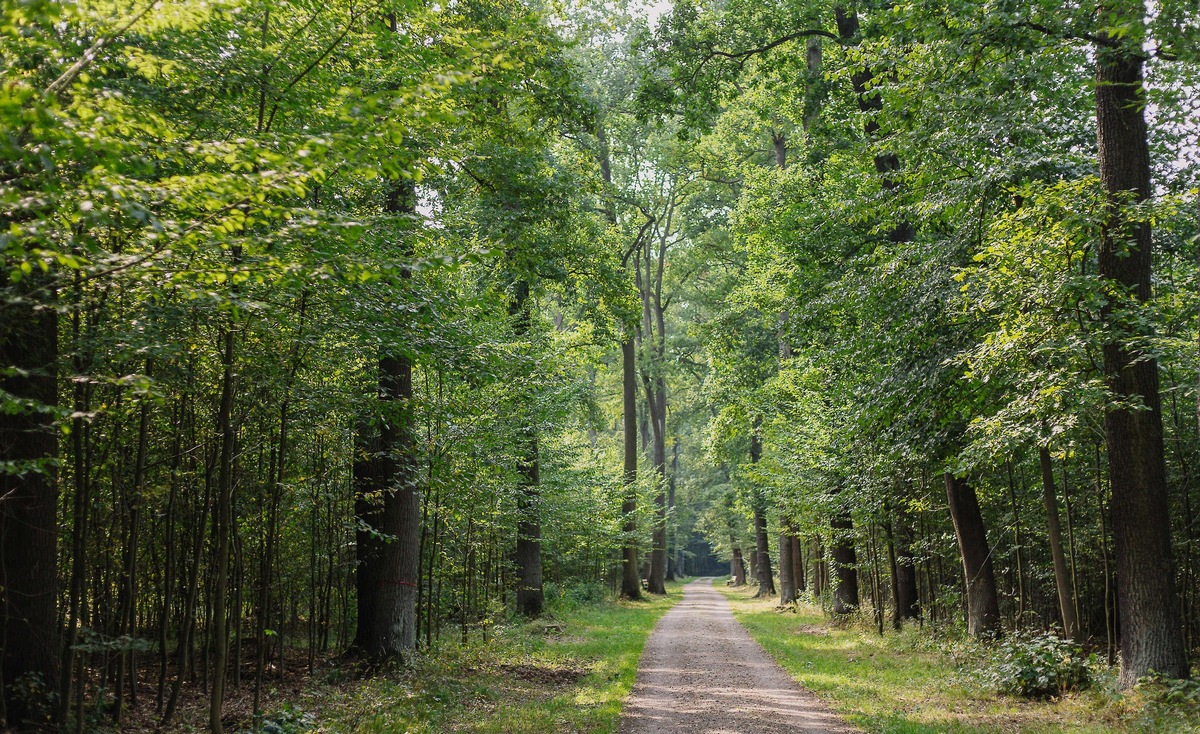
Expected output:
(71, 74)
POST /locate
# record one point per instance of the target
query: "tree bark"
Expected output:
(631, 587)
(737, 566)
(1062, 579)
(798, 564)
(224, 518)
(845, 564)
(983, 606)
(787, 576)
(906, 600)
(387, 502)
(530, 595)
(762, 551)
(670, 525)
(30, 627)
(1151, 638)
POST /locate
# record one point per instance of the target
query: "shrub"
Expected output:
(288, 720)
(1038, 665)
(574, 594)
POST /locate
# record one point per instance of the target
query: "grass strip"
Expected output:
(569, 671)
(911, 682)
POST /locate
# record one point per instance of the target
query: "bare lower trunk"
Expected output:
(762, 552)
(220, 633)
(1062, 577)
(787, 576)
(737, 566)
(658, 551)
(983, 607)
(1151, 638)
(845, 565)
(530, 595)
(387, 504)
(906, 600)
(798, 565)
(631, 587)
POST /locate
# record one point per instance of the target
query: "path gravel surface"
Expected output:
(702, 673)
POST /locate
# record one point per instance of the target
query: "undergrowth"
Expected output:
(916, 681)
(568, 671)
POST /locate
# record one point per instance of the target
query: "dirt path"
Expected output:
(701, 673)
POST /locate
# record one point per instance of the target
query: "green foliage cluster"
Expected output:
(1038, 665)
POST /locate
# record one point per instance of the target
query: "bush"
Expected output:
(39, 701)
(1038, 665)
(1171, 691)
(574, 594)
(288, 720)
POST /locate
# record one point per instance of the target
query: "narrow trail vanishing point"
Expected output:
(702, 673)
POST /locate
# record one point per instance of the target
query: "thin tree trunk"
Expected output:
(80, 506)
(631, 587)
(1017, 546)
(1062, 580)
(670, 528)
(224, 523)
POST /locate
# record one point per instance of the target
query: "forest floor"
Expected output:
(569, 671)
(913, 682)
(701, 672)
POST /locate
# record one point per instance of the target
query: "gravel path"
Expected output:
(701, 673)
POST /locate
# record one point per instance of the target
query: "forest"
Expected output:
(335, 333)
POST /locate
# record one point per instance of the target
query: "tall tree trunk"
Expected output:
(224, 522)
(650, 287)
(29, 627)
(631, 587)
(80, 504)
(670, 526)
(127, 622)
(530, 594)
(1062, 579)
(387, 504)
(658, 549)
(1151, 638)
(762, 551)
(983, 605)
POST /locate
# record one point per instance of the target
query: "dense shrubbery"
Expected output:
(288, 720)
(574, 594)
(1038, 665)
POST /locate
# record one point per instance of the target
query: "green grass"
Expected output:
(567, 672)
(910, 683)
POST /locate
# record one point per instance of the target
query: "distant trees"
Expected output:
(961, 243)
